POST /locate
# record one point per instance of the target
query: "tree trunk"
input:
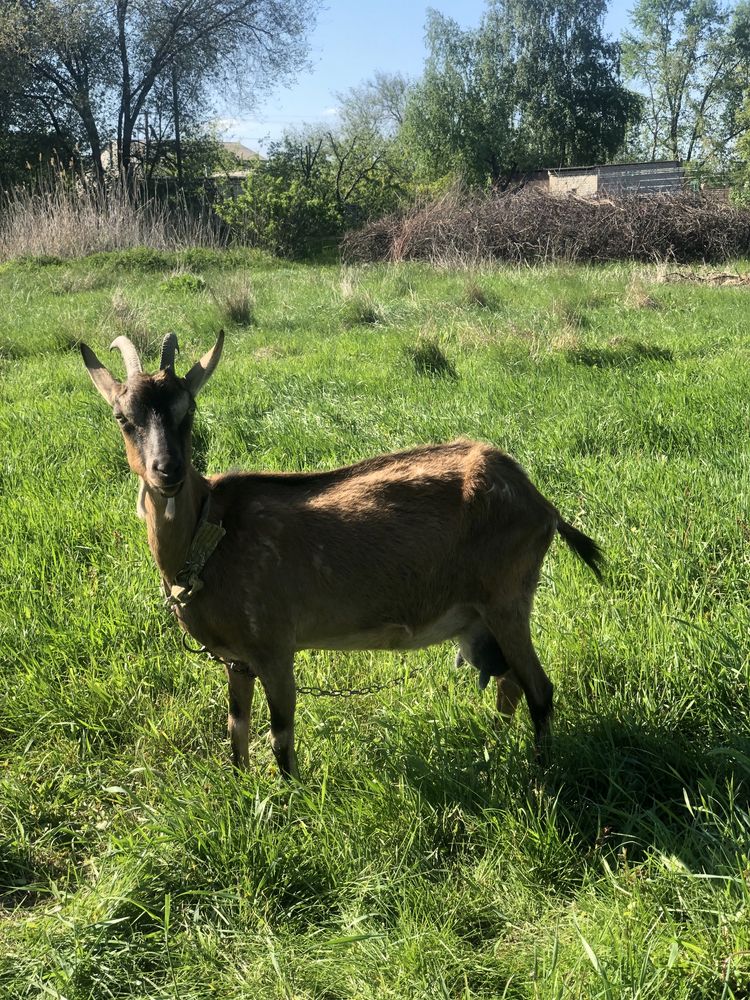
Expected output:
(124, 119)
(176, 116)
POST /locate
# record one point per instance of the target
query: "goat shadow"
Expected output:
(610, 783)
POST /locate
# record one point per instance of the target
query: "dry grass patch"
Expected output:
(236, 300)
(566, 340)
(131, 319)
(714, 278)
(75, 283)
(636, 296)
(63, 217)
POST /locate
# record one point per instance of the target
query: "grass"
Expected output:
(425, 855)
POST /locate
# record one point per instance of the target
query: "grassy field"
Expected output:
(424, 855)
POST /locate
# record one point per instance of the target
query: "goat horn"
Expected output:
(129, 354)
(168, 348)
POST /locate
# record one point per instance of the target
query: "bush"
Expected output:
(278, 213)
(529, 226)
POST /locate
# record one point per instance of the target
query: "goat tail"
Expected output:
(583, 546)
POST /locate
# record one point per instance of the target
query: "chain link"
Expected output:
(321, 692)
(314, 690)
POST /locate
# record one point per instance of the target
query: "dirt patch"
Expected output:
(719, 278)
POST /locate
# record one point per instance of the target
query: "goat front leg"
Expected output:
(278, 683)
(241, 686)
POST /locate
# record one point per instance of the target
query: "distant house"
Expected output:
(241, 152)
(617, 178)
(242, 156)
(234, 177)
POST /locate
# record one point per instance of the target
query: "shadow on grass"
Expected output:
(20, 879)
(612, 783)
(650, 786)
(619, 355)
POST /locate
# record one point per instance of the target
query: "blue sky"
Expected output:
(352, 40)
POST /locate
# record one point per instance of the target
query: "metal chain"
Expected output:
(314, 690)
(321, 692)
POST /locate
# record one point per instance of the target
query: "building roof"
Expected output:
(241, 152)
(644, 165)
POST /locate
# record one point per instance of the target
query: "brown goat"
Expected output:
(396, 552)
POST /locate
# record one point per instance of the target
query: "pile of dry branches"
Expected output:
(531, 226)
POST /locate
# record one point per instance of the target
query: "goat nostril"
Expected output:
(167, 468)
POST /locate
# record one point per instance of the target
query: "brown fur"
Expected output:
(395, 552)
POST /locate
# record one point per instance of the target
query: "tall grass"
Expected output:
(61, 216)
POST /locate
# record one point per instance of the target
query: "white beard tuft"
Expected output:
(170, 509)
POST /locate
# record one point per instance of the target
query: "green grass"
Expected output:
(425, 855)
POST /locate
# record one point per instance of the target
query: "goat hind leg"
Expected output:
(278, 683)
(510, 626)
(479, 647)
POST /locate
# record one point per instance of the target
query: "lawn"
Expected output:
(425, 854)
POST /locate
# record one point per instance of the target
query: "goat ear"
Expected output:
(106, 383)
(202, 370)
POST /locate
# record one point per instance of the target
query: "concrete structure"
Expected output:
(618, 178)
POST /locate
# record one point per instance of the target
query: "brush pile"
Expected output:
(529, 226)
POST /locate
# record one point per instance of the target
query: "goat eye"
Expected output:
(123, 421)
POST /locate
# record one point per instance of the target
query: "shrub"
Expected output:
(279, 214)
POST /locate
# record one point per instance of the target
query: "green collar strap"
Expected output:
(187, 583)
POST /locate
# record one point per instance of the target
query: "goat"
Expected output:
(444, 541)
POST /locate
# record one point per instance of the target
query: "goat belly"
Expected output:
(391, 635)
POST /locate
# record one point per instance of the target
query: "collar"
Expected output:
(187, 582)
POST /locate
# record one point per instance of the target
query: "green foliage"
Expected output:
(105, 67)
(691, 60)
(740, 170)
(314, 186)
(184, 280)
(535, 85)
(280, 213)
(424, 854)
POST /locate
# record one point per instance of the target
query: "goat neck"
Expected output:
(172, 522)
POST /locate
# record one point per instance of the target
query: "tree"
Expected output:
(316, 182)
(537, 84)
(691, 58)
(378, 104)
(106, 60)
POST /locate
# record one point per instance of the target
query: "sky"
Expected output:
(353, 39)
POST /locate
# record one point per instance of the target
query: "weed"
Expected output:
(183, 281)
(131, 318)
(475, 295)
(360, 309)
